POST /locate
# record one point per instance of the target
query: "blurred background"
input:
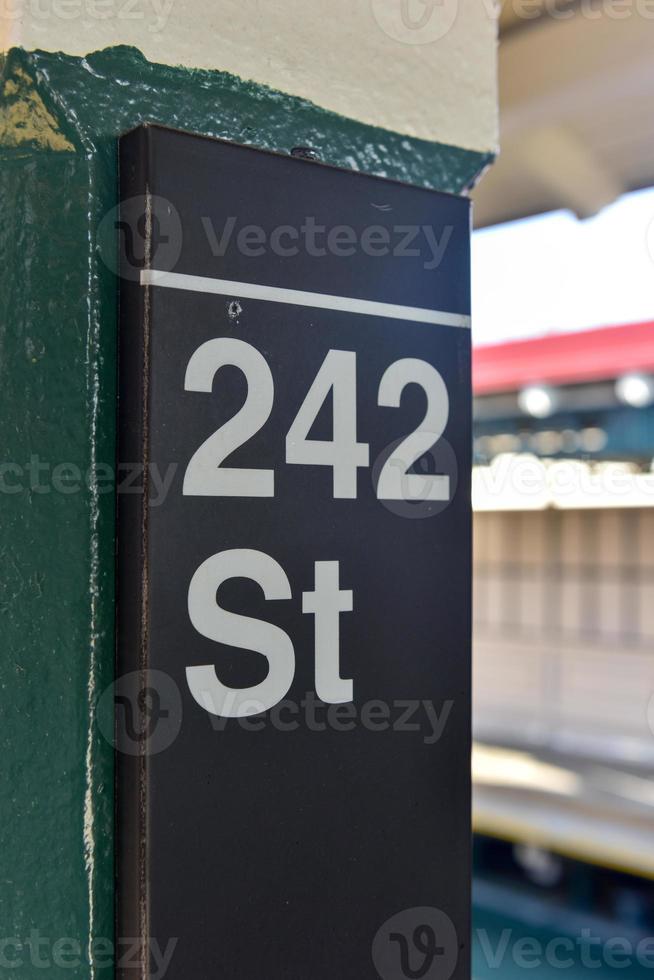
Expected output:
(563, 489)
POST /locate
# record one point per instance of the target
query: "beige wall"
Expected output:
(564, 630)
(355, 57)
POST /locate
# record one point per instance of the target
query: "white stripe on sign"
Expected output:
(299, 297)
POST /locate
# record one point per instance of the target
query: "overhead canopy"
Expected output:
(564, 358)
(576, 83)
(587, 414)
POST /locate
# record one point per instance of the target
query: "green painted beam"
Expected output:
(60, 117)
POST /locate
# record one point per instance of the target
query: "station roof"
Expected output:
(576, 78)
(564, 358)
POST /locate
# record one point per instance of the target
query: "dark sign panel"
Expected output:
(294, 581)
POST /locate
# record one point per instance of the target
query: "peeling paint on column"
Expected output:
(24, 118)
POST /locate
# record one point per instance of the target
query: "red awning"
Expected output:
(564, 358)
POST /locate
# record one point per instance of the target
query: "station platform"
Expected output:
(589, 810)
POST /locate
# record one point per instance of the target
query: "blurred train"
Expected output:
(563, 491)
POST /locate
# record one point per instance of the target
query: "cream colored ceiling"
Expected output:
(577, 110)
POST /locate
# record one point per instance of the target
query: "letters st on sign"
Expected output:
(294, 567)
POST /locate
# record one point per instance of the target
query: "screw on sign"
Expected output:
(416, 944)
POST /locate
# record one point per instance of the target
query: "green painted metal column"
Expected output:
(60, 117)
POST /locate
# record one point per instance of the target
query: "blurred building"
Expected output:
(564, 576)
(563, 489)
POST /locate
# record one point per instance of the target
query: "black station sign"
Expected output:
(292, 701)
